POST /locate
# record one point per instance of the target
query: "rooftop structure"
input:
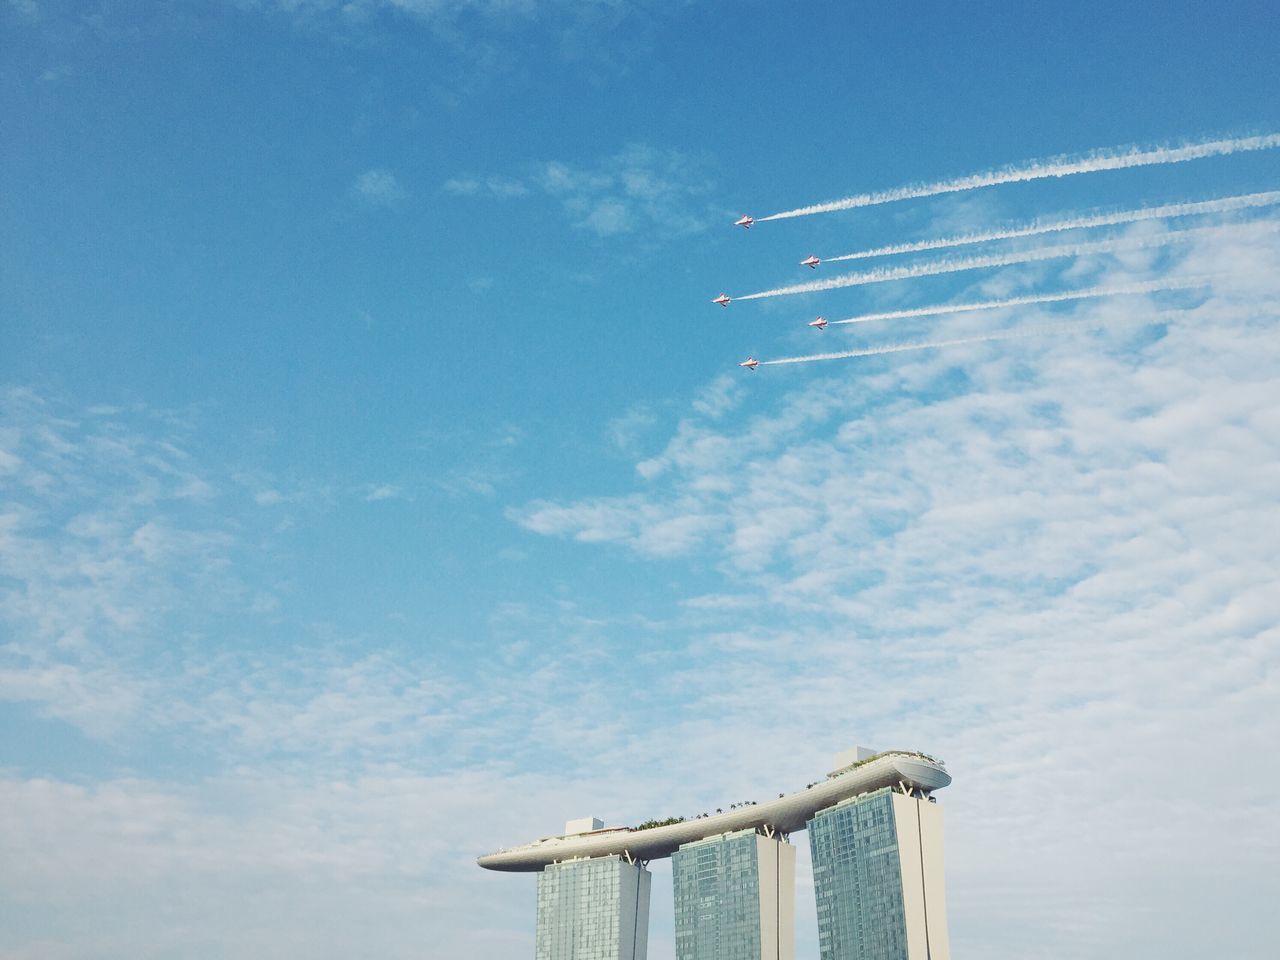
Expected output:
(876, 838)
(914, 774)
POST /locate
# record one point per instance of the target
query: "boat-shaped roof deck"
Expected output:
(786, 814)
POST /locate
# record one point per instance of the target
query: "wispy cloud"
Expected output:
(29, 9)
(439, 12)
(1042, 576)
(641, 187)
(626, 432)
(501, 187)
(104, 527)
(112, 573)
(650, 529)
(1050, 562)
(241, 845)
(1053, 565)
(379, 188)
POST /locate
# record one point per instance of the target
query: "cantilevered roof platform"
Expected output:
(912, 772)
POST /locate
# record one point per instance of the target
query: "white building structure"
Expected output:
(876, 837)
(735, 898)
(877, 878)
(593, 910)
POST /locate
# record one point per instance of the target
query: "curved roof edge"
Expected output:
(785, 815)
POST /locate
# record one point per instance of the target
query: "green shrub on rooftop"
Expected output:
(650, 824)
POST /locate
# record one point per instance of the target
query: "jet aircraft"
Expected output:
(723, 300)
(750, 363)
(820, 323)
(744, 222)
(811, 262)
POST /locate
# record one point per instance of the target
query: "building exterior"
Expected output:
(787, 814)
(876, 838)
(593, 910)
(877, 877)
(735, 898)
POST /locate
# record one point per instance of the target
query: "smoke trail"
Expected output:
(1042, 330)
(1151, 286)
(936, 267)
(1045, 169)
(1224, 205)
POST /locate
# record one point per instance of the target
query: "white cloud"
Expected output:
(98, 546)
(606, 217)
(1056, 572)
(722, 395)
(626, 432)
(640, 187)
(102, 701)
(495, 186)
(326, 866)
(29, 9)
(505, 187)
(490, 463)
(462, 186)
(111, 576)
(1049, 562)
(383, 491)
(379, 187)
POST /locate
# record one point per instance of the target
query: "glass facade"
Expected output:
(594, 909)
(717, 889)
(857, 879)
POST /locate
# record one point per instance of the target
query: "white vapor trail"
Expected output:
(1151, 286)
(1041, 330)
(935, 267)
(1045, 169)
(1224, 205)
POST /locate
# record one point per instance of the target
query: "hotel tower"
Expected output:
(875, 834)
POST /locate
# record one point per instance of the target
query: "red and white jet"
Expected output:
(820, 323)
(811, 262)
(744, 222)
(750, 363)
(723, 300)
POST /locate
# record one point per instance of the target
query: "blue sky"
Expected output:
(378, 486)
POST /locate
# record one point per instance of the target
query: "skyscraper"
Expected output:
(735, 898)
(877, 852)
(595, 909)
(877, 877)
